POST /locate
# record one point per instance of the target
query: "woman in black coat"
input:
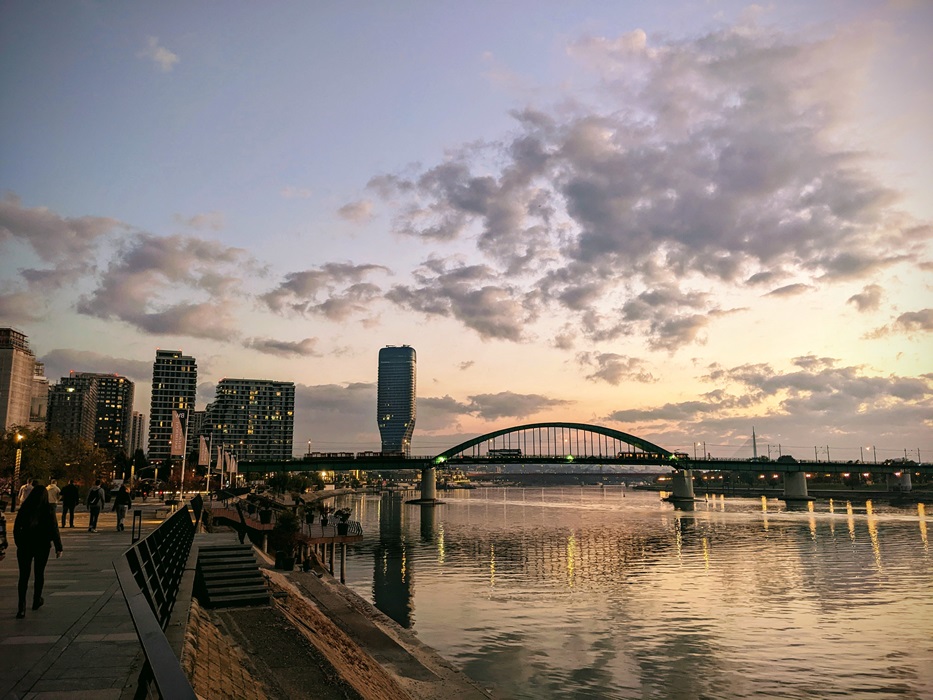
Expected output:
(34, 531)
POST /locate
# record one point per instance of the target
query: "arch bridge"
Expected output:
(555, 441)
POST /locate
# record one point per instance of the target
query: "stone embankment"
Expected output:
(317, 639)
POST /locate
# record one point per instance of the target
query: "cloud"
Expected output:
(869, 299)
(613, 368)
(465, 293)
(159, 55)
(908, 322)
(142, 282)
(466, 365)
(323, 413)
(710, 158)
(333, 290)
(284, 348)
(61, 361)
(844, 403)
(507, 404)
(359, 212)
(210, 221)
(911, 321)
(55, 239)
(20, 307)
(790, 290)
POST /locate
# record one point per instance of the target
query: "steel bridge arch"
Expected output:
(598, 429)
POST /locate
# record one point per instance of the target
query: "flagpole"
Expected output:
(184, 455)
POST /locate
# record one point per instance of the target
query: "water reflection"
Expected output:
(391, 588)
(578, 593)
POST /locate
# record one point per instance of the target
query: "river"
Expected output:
(606, 592)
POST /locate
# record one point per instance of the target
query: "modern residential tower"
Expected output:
(17, 372)
(114, 427)
(396, 404)
(73, 408)
(253, 418)
(174, 387)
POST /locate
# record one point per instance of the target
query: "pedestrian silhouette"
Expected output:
(70, 499)
(95, 501)
(34, 531)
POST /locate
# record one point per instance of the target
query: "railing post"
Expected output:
(136, 530)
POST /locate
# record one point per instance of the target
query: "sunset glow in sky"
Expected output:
(680, 220)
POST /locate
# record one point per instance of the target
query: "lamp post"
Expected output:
(18, 463)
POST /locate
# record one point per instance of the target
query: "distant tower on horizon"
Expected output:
(174, 387)
(138, 430)
(395, 401)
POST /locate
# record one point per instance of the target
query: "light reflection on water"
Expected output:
(609, 593)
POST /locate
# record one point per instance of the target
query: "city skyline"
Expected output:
(682, 222)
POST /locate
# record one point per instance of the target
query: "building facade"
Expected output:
(17, 370)
(39, 405)
(395, 401)
(253, 419)
(73, 408)
(174, 387)
(113, 427)
(137, 431)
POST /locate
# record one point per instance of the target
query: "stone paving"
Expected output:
(81, 643)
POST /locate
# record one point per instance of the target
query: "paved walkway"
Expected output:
(81, 643)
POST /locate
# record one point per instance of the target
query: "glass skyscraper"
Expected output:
(396, 398)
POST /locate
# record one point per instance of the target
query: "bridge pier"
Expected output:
(900, 483)
(428, 487)
(795, 487)
(683, 494)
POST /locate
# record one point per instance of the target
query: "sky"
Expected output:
(683, 220)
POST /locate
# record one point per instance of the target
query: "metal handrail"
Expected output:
(150, 574)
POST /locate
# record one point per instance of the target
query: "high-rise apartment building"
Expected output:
(114, 411)
(253, 418)
(39, 405)
(396, 404)
(174, 387)
(73, 408)
(137, 431)
(17, 370)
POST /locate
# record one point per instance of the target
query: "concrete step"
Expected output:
(238, 600)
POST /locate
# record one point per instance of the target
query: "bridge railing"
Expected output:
(150, 575)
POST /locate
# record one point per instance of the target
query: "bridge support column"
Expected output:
(428, 484)
(900, 483)
(795, 487)
(683, 485)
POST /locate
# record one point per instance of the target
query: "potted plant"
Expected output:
(265, 516)
(324, 511)
(309, 515)
(342, 515)
(284, 540)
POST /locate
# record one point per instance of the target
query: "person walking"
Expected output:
(34, 531)
(24, 491)
(70, 499)
(121, 502)
(54, 495)
(95, 501)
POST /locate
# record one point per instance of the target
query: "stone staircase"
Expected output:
(228, 576)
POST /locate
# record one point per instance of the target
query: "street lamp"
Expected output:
(19, 461)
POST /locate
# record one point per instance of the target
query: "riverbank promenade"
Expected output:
(81, 643)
